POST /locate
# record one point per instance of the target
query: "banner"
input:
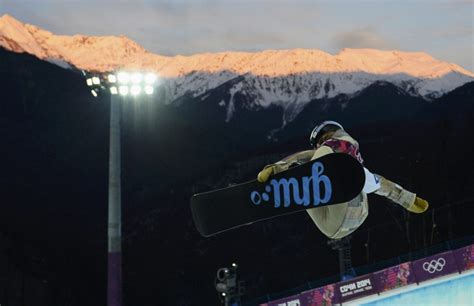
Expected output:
(324, 296)
(356, 288)
(394, 277)
(289, 301)
(434, 266)
(465, 258)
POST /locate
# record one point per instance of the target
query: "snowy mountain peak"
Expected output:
(413, 63)
(289, 78)
(110, 52)
(15, 37)
(85, 52)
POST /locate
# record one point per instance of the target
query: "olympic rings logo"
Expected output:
(434, 265)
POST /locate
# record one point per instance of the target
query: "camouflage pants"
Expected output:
(340, 220)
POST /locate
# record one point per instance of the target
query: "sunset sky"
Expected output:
(444, 29)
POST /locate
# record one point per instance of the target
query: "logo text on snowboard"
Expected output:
(296, 190)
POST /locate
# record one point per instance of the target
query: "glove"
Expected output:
(418, 206)
(263, 175)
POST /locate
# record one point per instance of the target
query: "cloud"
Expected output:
(365, 37)
(455, 32)
(454, 4)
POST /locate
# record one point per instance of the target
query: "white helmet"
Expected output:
(321, 129)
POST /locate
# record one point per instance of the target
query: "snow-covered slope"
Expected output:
(290, 78)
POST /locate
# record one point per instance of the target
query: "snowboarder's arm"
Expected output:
(284, 164)
(321, 151)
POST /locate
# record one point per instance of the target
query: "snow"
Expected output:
(454, 289)
(289, 78)
(14, 37)
(231, 107)
(59, 62)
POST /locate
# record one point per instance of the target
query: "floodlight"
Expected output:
(123, 90)
(135, 90)
(113, 90)
(89, 82)
(149, 90)
(112, 78)
(94, 93)
(234, 265)
(95, 81)
(150, 78)
(123, 77)
(223, 293)
(136, 78)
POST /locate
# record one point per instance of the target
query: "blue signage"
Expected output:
(297, 190)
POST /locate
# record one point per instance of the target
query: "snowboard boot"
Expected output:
(401, 196)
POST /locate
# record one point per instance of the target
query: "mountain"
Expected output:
(289, 79)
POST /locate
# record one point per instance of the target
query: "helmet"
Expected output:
(321, 129)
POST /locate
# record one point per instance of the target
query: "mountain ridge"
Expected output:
(347, 72)
(259, 63)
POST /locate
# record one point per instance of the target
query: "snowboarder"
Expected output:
(338, 221)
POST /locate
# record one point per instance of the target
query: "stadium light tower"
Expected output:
(120, 86)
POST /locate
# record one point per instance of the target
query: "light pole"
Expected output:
(119, 85)
(227, 287)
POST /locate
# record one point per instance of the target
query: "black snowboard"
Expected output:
(331, 179)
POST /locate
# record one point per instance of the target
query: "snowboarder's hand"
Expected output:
(265, 173)
(419, 206)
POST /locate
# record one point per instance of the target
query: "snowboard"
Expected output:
(331, 179)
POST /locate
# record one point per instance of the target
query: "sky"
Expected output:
(441, 28)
